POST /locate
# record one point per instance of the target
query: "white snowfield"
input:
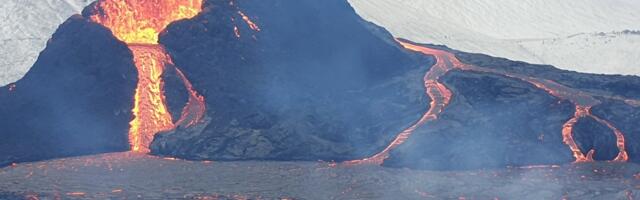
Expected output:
(25, 27)
(563, 33)
(579, 35)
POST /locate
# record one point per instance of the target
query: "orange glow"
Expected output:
(582, 100)
(567, 135)
(150, 110)
(140, 21)
(623, 156)
(249, 22)
(236, 31)
(76, 194)
(441, 96)
(194, 111)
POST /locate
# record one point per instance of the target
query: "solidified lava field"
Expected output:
(139, 176)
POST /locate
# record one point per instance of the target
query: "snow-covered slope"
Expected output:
(25, 27)
(565, 34)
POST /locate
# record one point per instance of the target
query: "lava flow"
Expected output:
(138, 23)
(441, 96)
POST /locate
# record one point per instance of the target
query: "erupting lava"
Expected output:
(441, 96)
(138, 23)
(150, 110)
(251, 24)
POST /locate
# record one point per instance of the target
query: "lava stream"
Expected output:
(150, 110)
(441, 96)
(583, 103)
(194, 111)
(138, 23)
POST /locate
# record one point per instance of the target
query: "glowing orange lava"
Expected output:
(249, 22)
(150, 109)
(567, 134)
(441, 96)
(138, 23)
(193, 112)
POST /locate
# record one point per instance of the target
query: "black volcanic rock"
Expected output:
(318, 82)
(626, 118)
(310, 85)
(620, 85)
(75, 100)
(492, 121)
(175, 92)
(313, 81)
(589, 134)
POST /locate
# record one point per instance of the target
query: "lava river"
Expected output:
(441, 96)
(138, 23)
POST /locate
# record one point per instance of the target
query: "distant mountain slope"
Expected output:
(26, 25)
(559, 33)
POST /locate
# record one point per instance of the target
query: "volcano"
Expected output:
(301, 81)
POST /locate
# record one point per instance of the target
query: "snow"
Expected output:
(560, 33)
(26, 25)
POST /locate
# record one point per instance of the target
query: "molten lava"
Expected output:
(138, 23)
(193, 112)
(150, 109)
(441, 96)
(250, 23)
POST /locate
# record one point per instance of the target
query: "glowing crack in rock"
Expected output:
(441, 96)
(250, 23)
(138, 23)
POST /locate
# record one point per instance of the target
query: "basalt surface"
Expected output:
(292, 81)
(300, 85)
(75, 100)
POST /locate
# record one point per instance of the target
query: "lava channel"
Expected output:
(138, 23)
(441, 96)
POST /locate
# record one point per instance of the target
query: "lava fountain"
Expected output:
(138, 23)
(441, 96)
